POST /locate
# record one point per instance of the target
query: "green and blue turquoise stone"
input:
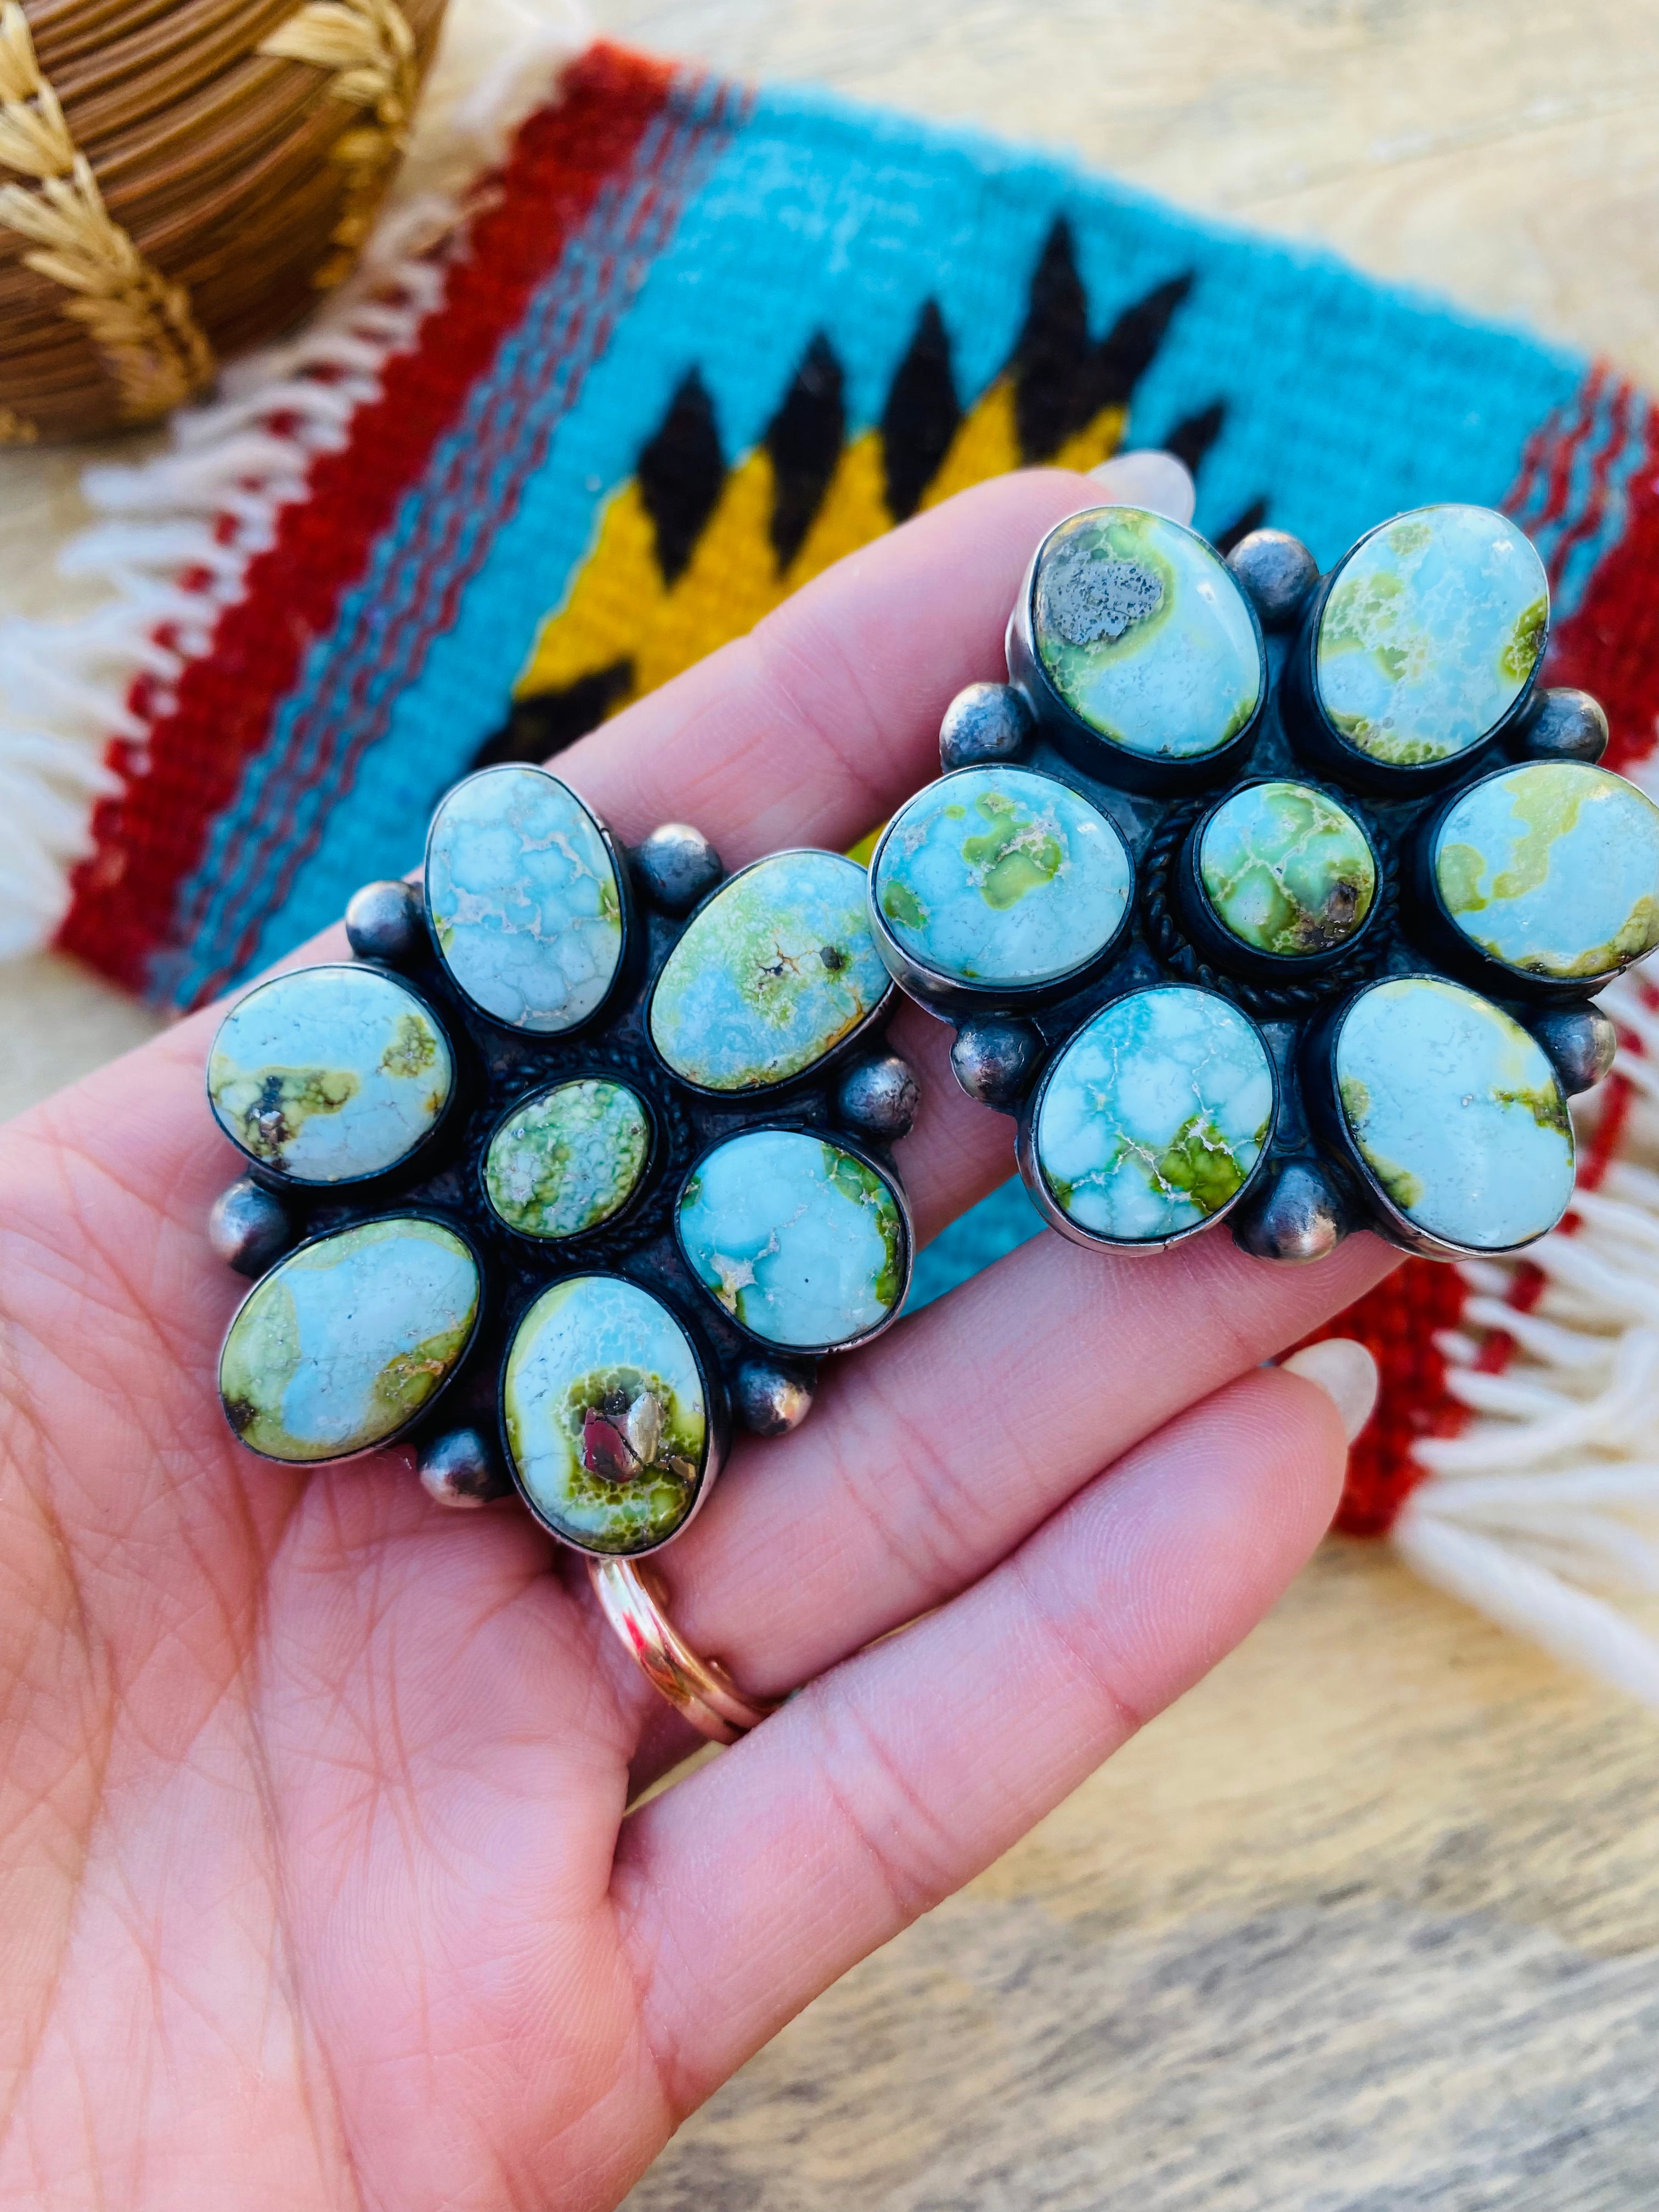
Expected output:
(1154, 1116)
(1286, 871)
(343, 1342)
(1456, 1112)
(799, 1241)
(522, 898)
(607, 1416)
(567, 1159)
(1002, 876)
(1430, 634)
(775, 971)
(1143, 632)
(330, 1074)
(1552, 869)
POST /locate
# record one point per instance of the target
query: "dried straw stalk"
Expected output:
(370, 49)
(152, 346)
(177, 186)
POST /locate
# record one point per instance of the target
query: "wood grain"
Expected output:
(1371, 1921)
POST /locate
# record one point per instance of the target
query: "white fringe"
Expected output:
(1544, 1512)
(176, 533)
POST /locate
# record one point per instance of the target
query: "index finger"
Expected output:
(812, 727)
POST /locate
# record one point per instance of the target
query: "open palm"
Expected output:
(317, 1886)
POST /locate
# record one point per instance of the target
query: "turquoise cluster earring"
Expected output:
(1278, 899)
(583, 1159)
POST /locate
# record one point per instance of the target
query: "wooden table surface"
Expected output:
(1371, 1921)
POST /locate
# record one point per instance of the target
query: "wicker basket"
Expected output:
(178, 178)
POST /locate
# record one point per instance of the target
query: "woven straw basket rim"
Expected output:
(178, 178)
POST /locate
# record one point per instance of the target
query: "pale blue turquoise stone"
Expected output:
(340, 1345)
(1285, 870)
(596, 1344)
(1155, 1115)
(1457, 1111)
(798, 1240)
(773, 971)
(1002, 876)
(523, 899)
(567, 1159)
(1143, 631)
(329, 1074)
(1431, 631)
(1553, 868)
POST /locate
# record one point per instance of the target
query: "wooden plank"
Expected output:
(1371, 1921)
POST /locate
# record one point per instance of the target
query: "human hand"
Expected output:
(318, 1888)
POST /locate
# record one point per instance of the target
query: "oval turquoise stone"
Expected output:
(1456, 1113)
(1143, 633)
(1155, 1115)
(1285, 870)
(605, 1416)
(773, 971)
(802, 1243)
(1552, 869)
(1002, 876)
(1430, 633)
(343, 1342)
(569, 1158)
(523, 900)
(330, 1074)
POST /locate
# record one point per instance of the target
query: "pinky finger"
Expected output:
(902, 1773)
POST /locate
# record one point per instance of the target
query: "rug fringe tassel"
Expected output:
(1569, 1622)
(1543, 1513)
(174, 535)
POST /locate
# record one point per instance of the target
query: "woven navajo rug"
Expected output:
(689, 345)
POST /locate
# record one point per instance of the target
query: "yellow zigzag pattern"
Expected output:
(620, 609)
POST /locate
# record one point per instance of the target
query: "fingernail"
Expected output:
(1155, 481)
(1345, 1372)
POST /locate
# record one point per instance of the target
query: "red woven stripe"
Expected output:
(658, 186)
(1559, 474)
(1622, 424)
(147, 840)
(1610, 645)
(1397, 1323)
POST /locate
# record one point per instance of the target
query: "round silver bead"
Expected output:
(463, 1468)
(676, 866)
(993, 1060)
(249, 1227)
(880, 1096)
(772, 1395)
(1581, 1041)
(1277, 572)
(986, 722)
(1297, 1215)
(385, 922)
(1566, 725)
